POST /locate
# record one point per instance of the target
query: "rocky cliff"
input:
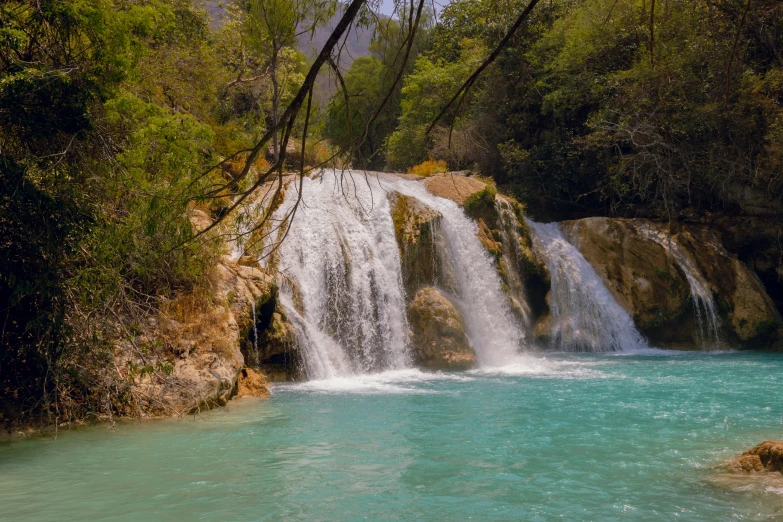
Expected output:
(659, 273)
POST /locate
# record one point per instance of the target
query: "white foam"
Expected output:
(390, 382)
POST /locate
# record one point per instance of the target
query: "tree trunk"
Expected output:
(652, 33)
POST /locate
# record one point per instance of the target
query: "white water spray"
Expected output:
(342, 260)
(255, 333)
(584, 313)
(495, 334)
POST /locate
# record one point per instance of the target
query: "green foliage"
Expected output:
(481, 205)
(423, 95)
(108, 120)
(589, 112)
(368, 82)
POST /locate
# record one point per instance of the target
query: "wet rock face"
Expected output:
(640, 274)
(417, 230)
(439, 340)
(504, 235)
(766, 457)
(647, 280)
(748, 314)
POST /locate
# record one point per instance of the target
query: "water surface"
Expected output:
(574, 437)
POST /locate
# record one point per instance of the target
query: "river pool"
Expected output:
(570, 437)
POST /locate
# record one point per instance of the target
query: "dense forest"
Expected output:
(118, 117)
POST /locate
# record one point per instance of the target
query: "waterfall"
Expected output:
(342, 258)
(255, 332)
(701, 296)
(494, 332)
(343, 289)
(585, 316)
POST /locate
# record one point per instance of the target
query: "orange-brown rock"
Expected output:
(251, 383)
(454, 187)
(766, 457)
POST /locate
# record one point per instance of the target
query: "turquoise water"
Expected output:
(589, 437)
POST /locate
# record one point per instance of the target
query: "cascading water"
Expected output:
(701, 296)
(255, 332)
(496, 335)
(585, 315)
(341, 260)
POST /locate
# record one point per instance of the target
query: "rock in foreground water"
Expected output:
(766, 457)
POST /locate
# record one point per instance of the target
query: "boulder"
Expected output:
(766, 457)
(251, 383)
(453, 186)
(439, 339)
(417, 230)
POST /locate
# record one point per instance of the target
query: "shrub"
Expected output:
(428, 168)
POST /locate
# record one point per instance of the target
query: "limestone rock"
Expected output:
(251, 383)
(648, 282)
(453, 186)
(439, 339)
(199, 219)
(756, 241)
(194, 352)
(417, 230)
(640, 274)
(766, 457)
(749, 316)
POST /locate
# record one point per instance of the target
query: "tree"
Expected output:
(274, 27)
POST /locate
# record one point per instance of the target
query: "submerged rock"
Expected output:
(766, 457)
(439, 339)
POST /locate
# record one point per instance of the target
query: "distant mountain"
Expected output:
(354, 45)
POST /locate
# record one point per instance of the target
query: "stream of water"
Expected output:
(566, 437)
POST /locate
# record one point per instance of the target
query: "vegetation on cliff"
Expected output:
(111, 115)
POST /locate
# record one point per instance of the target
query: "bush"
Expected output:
(428, 168)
